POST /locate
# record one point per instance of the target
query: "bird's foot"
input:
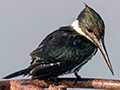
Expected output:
(77, 78)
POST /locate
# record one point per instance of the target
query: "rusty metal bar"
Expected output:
(5, 85)
(20, 85)
(69, 83)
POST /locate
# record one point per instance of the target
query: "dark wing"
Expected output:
(59, 53)
(54, 47)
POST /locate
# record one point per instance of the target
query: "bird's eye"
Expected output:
(89, 30)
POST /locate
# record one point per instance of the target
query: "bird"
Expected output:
(68, 48)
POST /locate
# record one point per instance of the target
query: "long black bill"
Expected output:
(102, 48)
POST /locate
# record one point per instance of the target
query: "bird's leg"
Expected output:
(77, 77)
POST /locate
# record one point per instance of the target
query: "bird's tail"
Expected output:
(18, 73)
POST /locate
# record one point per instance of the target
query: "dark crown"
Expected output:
(89, 19)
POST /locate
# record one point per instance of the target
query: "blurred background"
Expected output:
(25, 23)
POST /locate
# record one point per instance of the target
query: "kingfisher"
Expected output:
(68, 48)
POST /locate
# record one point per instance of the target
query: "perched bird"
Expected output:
(67, 49)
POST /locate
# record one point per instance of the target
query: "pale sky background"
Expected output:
(25, 23)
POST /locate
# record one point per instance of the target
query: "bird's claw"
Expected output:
(77, 78)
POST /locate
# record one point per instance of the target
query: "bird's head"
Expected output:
(90, 25)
